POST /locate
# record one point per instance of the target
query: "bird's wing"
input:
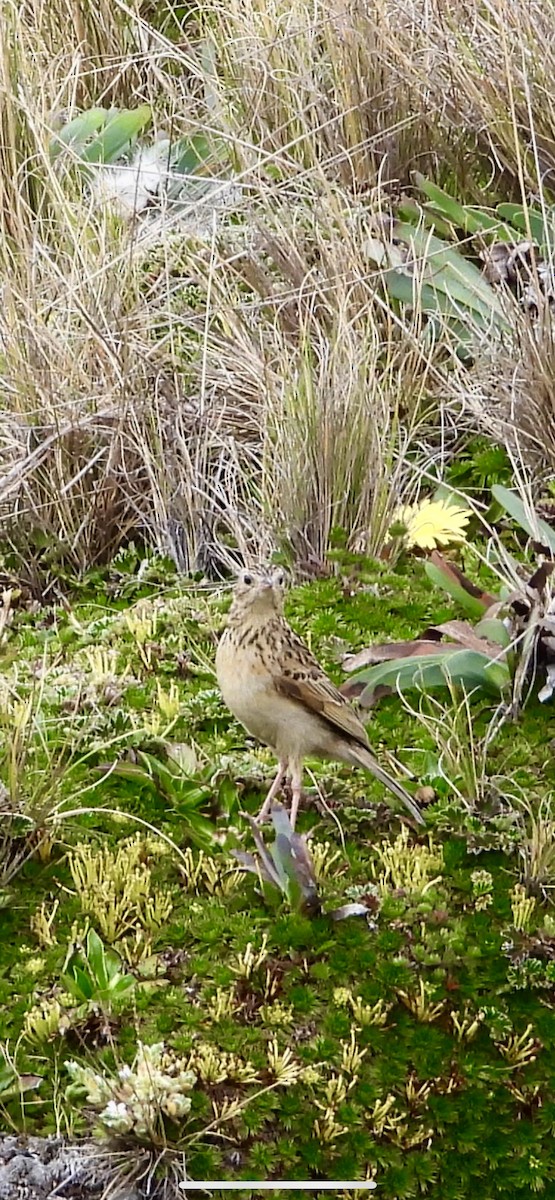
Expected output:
(301, 678)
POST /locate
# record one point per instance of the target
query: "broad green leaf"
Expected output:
(473, 606)
(283, 852)
(279, 852)
(439, 310)
(189, 795)
(190, 154)
(227, 796)
(199, 829)
(118, 134)
(472, 220)
(444, 281)
(7, 1076)
(12, 1084)
(96, 957)
(452, 273)
(294, 894)
(416, 293)
(122, 985)
(527, 220)
(537, 529)
(430, 671)
(79, 982)
(78, 131)
(414, 214)
(494, 630)
(498, 674)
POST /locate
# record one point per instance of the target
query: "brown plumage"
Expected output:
(279, 692)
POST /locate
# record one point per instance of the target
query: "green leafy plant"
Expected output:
(139, 173)
(475, 655)
(166, 773)
(504, 637)
(525, 516)
(101, 135)
(93, 975)
(514, 241)
(424, 266)
(286, 868)
(425, 272)
(505, 222)
(476, 466)
(95, 989)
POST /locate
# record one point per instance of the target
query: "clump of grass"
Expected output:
(229, 388)
(510, 396)
(337, 92)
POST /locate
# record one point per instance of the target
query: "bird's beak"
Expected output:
(266, 585)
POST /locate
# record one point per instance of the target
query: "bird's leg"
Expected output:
(282, 771)
(296, 790)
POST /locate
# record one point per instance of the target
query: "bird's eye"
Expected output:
(247, 578)
(280, 578)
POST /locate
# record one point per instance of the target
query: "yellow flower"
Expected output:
(432, 523)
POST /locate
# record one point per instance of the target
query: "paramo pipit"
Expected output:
(276, 688)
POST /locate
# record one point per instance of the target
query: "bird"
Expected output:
(277, 690)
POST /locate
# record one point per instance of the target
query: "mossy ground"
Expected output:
(442, 1100)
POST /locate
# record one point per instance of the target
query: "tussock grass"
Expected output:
(218, 387)
(510, 395)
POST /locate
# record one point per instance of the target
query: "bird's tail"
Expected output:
(363, 758)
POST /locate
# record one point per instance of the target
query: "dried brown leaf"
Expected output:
(450, 568)
(388, 651)
(508, 262)
(540, 577)
(463, 633)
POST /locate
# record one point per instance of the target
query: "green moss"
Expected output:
(437, 1138)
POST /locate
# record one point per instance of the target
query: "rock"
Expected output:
(33, 1168)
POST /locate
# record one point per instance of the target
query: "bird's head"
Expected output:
(258, 593)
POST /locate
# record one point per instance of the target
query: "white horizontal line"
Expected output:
(284, 1185)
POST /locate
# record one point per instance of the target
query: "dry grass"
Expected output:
(217, 387)
(511, 394)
